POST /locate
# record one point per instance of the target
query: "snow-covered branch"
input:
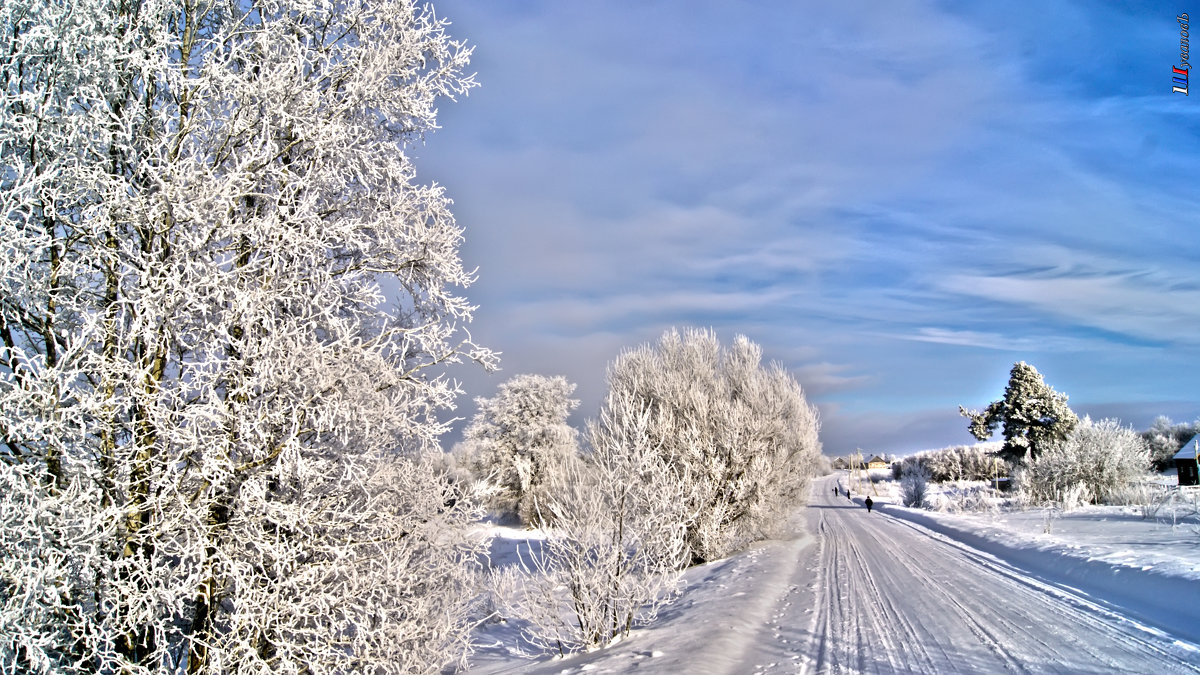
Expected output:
(211, 419)
(616, 543)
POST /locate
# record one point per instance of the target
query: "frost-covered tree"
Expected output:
(824, 466)
(914, 482)
(210, 416)
(615, 546)
(1097, 462)
(520, 436)
(740, 433)
(1165, 439)
(1032, 413)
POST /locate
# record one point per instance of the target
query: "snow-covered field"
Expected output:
(1166, 540)
(914, 590)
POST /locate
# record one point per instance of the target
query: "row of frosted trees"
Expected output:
(698, 450)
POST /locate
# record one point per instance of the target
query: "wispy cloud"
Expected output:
(970, 338)
(824, 378)
(1144, 304)
(895, 204)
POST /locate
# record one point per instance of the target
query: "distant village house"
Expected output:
(1186, 463)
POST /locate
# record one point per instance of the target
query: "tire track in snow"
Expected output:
(891, 598)
(893, 636)
(918, 565)
(1083, 610)
(907, 652)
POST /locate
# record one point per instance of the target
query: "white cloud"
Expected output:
(1146, 305)
(985, 340)
(823, 378)
(631, 311)
(859, 191)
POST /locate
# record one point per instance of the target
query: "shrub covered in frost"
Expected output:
(914, 483)
(1165, 439)
(614, 545)
(1097, 462)
(740, 434)
(956, 463)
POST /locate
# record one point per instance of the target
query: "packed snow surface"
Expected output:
(903, 590)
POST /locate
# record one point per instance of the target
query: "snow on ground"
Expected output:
(1166, 541)
(723, 605)
(898, 597)
(1146, 564)
(761, 611)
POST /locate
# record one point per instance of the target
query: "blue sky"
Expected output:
(896, 200)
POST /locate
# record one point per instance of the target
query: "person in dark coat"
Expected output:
(868, 503)
(848, 494)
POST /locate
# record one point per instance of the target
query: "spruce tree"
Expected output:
(1032, 413)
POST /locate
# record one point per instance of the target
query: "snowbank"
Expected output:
(724, 605)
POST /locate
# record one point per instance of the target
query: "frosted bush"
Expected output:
(519, 438)
(1165, 439)
(968, 499)
(741, 434)
(1074, 496)
(958, 463)
(1141, 494)
(615, 546)
(1096, 463)
(914, 484)
(824, 466)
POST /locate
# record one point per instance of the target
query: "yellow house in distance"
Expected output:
(877, 462)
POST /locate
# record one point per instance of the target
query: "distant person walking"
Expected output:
(868, 503)
(848, 494)
(835, 491)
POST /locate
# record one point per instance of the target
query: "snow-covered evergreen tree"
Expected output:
(211, 420)
(519, 437)
(740, 433)
(1032, 413)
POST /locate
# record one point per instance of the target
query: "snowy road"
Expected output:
(891, 597)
